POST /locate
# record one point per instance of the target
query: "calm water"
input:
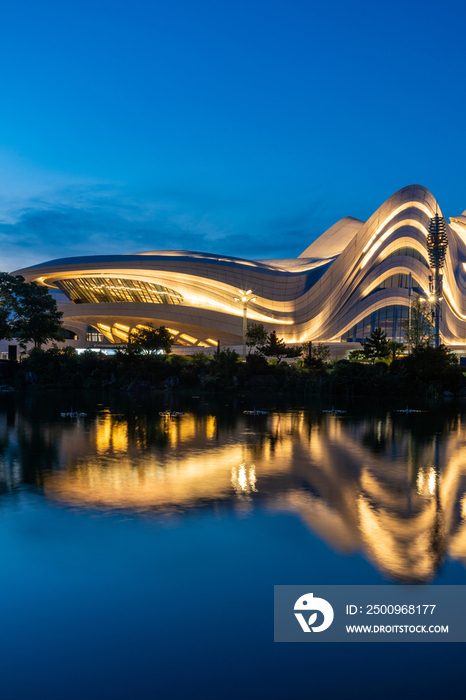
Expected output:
(139, 553)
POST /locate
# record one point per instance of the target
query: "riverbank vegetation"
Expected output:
(380, 367)
(426, 371)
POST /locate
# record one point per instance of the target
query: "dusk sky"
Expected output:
(244, 128)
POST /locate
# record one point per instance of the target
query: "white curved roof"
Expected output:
(334, 240)
(461, 219)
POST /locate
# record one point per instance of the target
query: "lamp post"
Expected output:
(410, 293)
(431, 299)
(245, 299)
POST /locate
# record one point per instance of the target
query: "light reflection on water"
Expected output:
(391, 487)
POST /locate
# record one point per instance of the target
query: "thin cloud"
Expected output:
(103, 219)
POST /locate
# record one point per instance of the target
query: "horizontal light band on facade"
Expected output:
(214, 342)
(397, 280)
(396, 227)
(398, 210)
(407, 251)
(120, 334)
(121, 327)
(189, 338)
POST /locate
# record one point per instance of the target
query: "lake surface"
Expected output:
(139, 553)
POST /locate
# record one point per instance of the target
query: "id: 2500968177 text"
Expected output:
(391, 609)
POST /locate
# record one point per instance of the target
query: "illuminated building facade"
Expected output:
(353, 278)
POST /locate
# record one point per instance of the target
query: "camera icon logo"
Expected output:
(308, 603)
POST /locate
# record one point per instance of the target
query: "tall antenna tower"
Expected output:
(437, 244)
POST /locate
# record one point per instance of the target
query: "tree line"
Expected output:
(29, 314)
(271, 345)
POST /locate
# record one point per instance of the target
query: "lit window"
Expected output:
(98, 290)
(93, 335)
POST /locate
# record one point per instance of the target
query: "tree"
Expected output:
(432, 363)
(376, 346)
(274, 347)
(297, 351)
(356, 355)
(28, 312)
(225, 364)
(5, 325)
(256, 335)
(8, 286)
(150, 340)
(396, 348)
(318, 357)
(421, 329)
(37, 317)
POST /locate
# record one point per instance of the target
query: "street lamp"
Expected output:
(410, 294)
(245, 299)
(431, 298)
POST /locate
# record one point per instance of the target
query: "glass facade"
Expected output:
(389, 319)
(94, 336)
(410, 252)
(98, 290)
(69, 335)
(59, 297)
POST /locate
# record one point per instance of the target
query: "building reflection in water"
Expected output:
(393, 487)
(243, 479)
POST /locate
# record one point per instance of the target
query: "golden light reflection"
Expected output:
(463, 507)
(151, 482)
(359, 485)
(111, 435)
(243, 479)
(426, 480)
(210, 427)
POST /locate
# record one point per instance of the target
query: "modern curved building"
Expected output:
(353, 278)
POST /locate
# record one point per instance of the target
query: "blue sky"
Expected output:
(245, 128)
